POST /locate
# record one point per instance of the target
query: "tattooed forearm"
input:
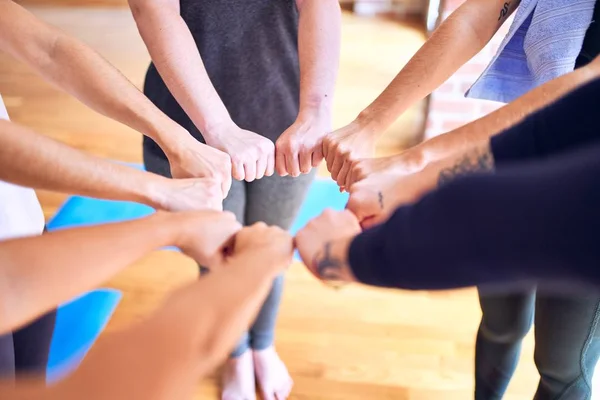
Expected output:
(504, 11)
(329, 268)
(478, 160)
(380, 198)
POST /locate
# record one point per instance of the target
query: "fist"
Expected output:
(300, 147)
(197, 160)
(322, 231)
(252, 156)
(206, 236)
(269, 245)
(344, 146)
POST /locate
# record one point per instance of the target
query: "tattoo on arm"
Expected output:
(478, 160)
(504, 10)
(328, 267)
(380, 198)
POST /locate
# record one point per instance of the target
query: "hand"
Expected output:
(375, 198)
(271, 245)
(344, 146)
(400, 164)
(323, 245)
(300, 147)
(252, 155)
(206, 236)
(196, 160)
(187, 194)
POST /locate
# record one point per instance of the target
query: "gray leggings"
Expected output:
(274, 200)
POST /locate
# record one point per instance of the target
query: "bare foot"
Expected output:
(273, 378)
(238, 378)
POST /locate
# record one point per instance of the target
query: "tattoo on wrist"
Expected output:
(329, 268)
(478, 160)
(504, 10)
(380, 198)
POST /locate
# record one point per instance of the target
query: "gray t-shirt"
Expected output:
(250, 51)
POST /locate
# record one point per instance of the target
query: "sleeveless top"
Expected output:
(20, 211)
(250, 51)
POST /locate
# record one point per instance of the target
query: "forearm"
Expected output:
(486, 229)
(39, 273)
(319, 48)
(71, 65)
(481, 130)
(33, 160)
(176, 56)
(189, 335)
(225, 301)
(462, 35)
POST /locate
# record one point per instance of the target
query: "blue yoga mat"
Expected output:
(78, 325)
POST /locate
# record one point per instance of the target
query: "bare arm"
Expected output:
(179, 63)
(483, 128)
(300, 147)
(39, 273)
(33, 160)
(178, 60)
(189, 335)
(462, 35)
(80, 71)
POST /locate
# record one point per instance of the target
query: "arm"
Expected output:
(80, 71)
(300, 147)
(189, 334)
(180, 65)
(551, 118)
(485, 127)
(33, 160)
(528, 222)
(39, 273)
(462, 35)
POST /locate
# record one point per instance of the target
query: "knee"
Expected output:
(507, 331)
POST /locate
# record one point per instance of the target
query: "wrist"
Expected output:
(215, 128)
(366, 123)
(331, 262)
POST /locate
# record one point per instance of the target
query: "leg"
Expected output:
(276, 201)
(505, 321)
(238, 374)
(567, 344)
(7, 357)
(32, 346)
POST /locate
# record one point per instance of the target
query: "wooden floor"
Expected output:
(354, 344)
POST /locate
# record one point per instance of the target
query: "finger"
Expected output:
(305, 160)
(261, 166)
(225, 184)
(348, 181)
(361, 207)
(280, 163)
(292, 165)
(317, 156)
(341, 178)
(270, 164)
(325, 148)
(330, 159)
(336, 167)
(237, 170)
(250, 171)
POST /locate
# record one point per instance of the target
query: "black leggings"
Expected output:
(26, 350)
